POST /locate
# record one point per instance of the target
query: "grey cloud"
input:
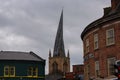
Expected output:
(35, 23)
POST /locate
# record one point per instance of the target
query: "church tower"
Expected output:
(59, 63)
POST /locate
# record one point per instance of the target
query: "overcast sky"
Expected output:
(31, 25)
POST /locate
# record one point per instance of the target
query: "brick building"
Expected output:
(101, 40)
(69, 76)
(77, 74)
(78, 69)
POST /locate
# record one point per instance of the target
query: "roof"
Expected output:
(59, 42)
(16, 55)
(110, 16)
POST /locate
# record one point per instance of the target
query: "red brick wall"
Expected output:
(78, 69)
(69, 75)
(114, 3)
(103, 52)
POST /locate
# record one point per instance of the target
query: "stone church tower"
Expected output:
(59, 63)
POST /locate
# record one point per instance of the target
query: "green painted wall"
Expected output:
(21, 68)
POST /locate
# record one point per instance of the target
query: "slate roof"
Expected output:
(16, 55)
(110, 16)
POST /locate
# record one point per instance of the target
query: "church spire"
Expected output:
(59, 43)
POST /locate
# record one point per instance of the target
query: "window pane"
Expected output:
(12, 71)
(30, 71)
(34, 71)
(111, 62)
(97, 69)
(95, 41)
(6, 71)
(110, 36)
(87, 45)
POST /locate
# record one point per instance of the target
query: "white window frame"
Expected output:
(96, 46)
(108, 36)
(6, 69)
(87, 45)
(109, 65)
(32, 70)
(97, 68)
(10, 70)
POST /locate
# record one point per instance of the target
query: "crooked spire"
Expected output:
(59, 43)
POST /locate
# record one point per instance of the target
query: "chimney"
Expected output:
(114, 4)
(107, 10)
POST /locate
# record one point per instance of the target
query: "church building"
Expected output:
(59, 63)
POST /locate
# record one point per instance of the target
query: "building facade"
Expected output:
(59, 63)
(101, 40)
(21, 66)
(78, 69)
(77, 74)
(69, 76)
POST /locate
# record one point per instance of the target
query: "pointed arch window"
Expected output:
(65, 67)
(55, 67)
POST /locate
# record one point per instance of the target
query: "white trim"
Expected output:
(108, 64)
(87, 46)
(97, 67)
(96, 39)
(111, 24)
(90, 33)
(107, 36)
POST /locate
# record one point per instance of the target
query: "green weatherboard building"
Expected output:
(21, 66)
